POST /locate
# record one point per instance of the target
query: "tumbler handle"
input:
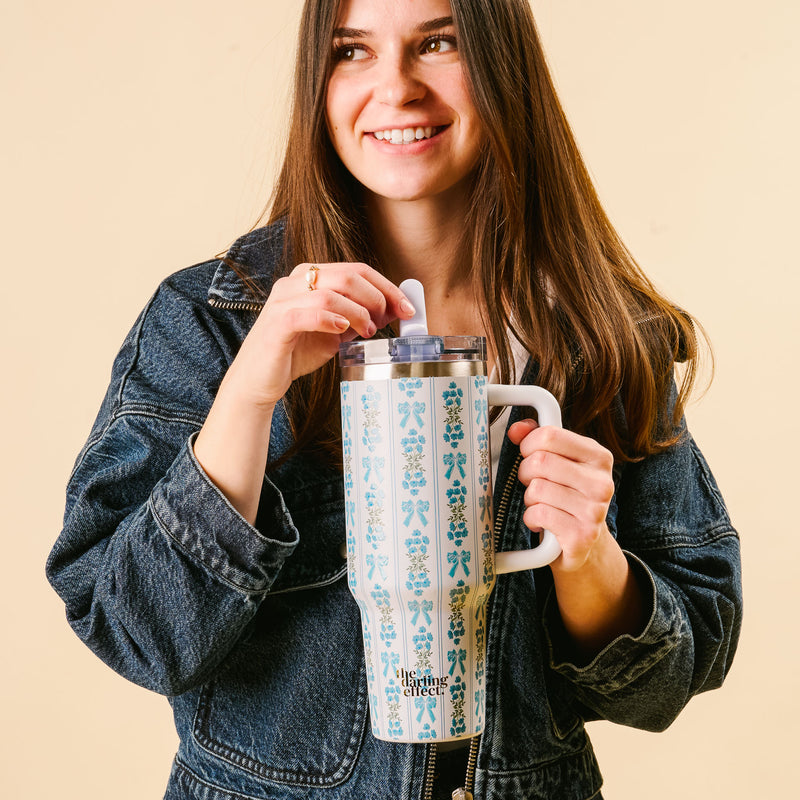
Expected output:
(549, 412)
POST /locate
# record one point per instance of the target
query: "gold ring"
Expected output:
(311, 277)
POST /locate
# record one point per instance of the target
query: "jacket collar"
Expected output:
(256, 255)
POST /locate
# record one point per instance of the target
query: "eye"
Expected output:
(439, 44)
(349, 52)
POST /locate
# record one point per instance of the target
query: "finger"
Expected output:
(519, 430)
(348, 281)
(358, 315)
(362, 284)
(587, 479)
(330, 285)
(590, 512)
(540, 517)
(308, 319)
(567, 444)
(292, 293)
(397, 304)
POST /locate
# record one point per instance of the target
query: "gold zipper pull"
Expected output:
(462, 794)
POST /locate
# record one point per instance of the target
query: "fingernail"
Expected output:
(407, 308)
(371, 328)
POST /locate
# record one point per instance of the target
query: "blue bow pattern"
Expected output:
(417, 607)
(370, 463)
(455, 558)
(378, 562)
(420, 507)
(416, 409)
(457, 658)
(390, 662)
(480, 698)
(347, 411)
(455, 461)
(424, 704)
(481, 416)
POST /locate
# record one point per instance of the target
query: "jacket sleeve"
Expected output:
(158, 572)
(674, 528)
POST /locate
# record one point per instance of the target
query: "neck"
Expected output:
(420, 239)
(424, 239)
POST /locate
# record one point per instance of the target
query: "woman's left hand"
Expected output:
(569, 486)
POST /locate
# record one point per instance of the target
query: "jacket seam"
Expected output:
(222, 578)
(118, 402)
(676, 543)
(319, 583)
(711, 488)
(121, 410)
(191, 775)
(587, 749)
(137, 339)
(88, 447)
(156, 412)
(620, 681)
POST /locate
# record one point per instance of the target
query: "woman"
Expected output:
(201, 553)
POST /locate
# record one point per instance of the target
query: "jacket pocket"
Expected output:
(290, 705)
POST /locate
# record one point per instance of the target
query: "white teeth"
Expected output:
(404, 135)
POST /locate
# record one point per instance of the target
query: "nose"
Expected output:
(397, 82)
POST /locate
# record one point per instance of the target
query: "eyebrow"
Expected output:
(423, 27)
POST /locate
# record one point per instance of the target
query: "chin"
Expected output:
(404, 191)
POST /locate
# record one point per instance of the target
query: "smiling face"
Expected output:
(398, 109)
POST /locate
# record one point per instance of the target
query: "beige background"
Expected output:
(138, 138)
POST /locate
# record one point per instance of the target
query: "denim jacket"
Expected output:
(253, 636)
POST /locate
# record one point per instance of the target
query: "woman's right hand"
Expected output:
(297, 331)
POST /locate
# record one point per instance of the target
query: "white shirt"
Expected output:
(497, 432)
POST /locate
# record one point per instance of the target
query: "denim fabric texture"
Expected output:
(252, 634)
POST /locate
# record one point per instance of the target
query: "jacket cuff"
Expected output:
(627, 657)
(191, 510)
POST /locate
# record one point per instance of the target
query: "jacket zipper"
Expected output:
(430, 772)
(235, 305)
(502, 508)
(465, 792)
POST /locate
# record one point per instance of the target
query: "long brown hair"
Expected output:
(546, 261)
